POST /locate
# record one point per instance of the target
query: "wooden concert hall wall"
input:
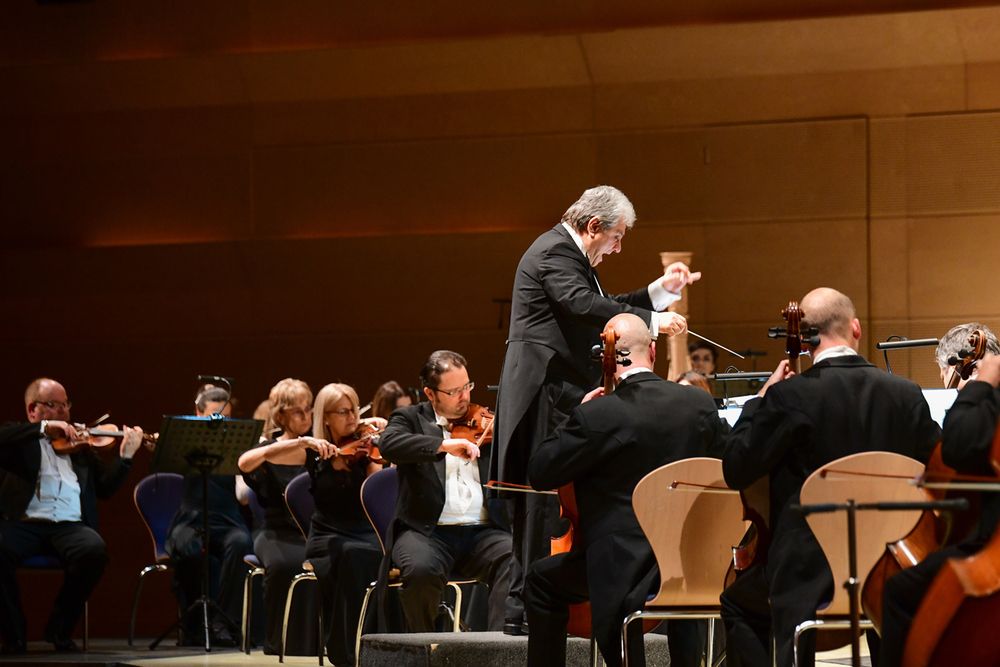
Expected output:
(331, 194)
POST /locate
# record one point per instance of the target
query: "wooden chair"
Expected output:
(692, 521)
(849, 478)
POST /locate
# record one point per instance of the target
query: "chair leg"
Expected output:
(628, 620)
(248, 606)
(288, 608)
(361, 624)
(710, 648)
(456, 625)
(320, 638)
(86, 626)
(135, 600)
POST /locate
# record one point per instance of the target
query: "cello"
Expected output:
(579, 614)
(954, 624)
(934, 530)
(756, 497)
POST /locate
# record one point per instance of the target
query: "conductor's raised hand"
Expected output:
(677, 276)
(459, 447)
(671, 324)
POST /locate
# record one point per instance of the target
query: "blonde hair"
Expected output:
(326, 397)
(285, 394)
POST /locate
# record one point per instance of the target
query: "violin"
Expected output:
(360, 444)
(935, 530)
(97, 437)
(476, 426)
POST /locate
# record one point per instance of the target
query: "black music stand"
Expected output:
(203, 445)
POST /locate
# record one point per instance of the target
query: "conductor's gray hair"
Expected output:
(606, 203)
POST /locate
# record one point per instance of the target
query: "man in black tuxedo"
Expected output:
(606, 446)
(49, 506)
(442, 524)
(557, 312)
(842, 405)
(966, 445)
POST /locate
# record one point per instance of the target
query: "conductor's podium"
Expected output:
(478, 649)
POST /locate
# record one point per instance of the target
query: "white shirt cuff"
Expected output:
(654, 324)
(660, 297)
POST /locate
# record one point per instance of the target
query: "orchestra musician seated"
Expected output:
(442, 523)
(390, 396)
(342, 546)
(278, 543)
(604, 448)
(229, 538)
(49, 506)
(949, 352)
(967, 440)
(841, 405)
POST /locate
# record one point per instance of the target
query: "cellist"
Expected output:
(605, 447)
(968, 433)
(841, 405)
(950, 347)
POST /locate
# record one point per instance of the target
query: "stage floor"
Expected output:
(117, 653)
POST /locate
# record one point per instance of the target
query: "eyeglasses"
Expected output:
(56, 405)
(340, 413)
(453, 392)
(298, 412)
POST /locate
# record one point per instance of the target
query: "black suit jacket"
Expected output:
(557, 315)
(610, 443)
(968, 438)
(840, 406)
(605, 447)
(21, 457)
(411, 441)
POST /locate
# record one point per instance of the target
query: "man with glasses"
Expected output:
(49, 506)
(442, 524)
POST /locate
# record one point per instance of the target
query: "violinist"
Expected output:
(442, 528)
(605, 447)
(969, 428)
(841, 405)
(390, 396)
(342, 546)
(279, 544)
(229, 539)
(949, 352)
(557, 310)
(49, 506)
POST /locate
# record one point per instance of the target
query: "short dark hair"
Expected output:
(702, 345)
(438, 364)
(210, 394)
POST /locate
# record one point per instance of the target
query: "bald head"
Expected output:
(833, 315)
(634, 337)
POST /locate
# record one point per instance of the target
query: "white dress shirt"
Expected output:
(463, 490)
(831, 352)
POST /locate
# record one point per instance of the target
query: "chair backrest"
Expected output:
(158, 497)
(378, 497)
(691, 528)
(837, 482)
(300, 502)
(255, 508)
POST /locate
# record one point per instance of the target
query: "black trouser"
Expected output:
(345, 563)
(81, 551)
(228, 543)
(535, 518)
(558, 581)
(281, 550)
(480, 552)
